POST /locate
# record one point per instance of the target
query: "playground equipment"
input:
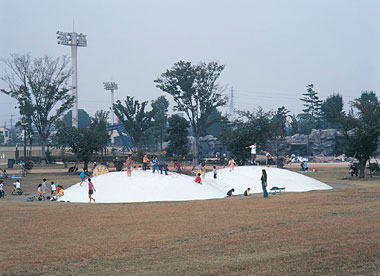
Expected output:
(125, 137)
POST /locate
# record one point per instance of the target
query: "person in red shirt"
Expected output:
(177, 166)
(198, 179)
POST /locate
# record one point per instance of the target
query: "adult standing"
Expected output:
(161, 162)
(253, 153)
(2, 189)
(264, 183)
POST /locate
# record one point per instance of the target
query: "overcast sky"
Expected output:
(271, 48)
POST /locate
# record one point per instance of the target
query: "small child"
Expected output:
(214, 171)
(203, 170)
(91, 190)
(230, 192)
(198, 179)
(39, 190)
(246, 192)
(53, 189)
(82, 176)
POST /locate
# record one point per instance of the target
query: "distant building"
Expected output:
(5, 133)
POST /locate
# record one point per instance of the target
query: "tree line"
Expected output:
(40, 86)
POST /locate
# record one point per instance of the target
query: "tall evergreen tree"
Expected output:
(332, 110)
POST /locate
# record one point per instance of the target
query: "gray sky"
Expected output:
(272, 48)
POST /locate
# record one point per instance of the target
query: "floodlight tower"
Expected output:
(111, 86)
(74, 40)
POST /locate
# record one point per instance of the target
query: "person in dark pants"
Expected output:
(161, 162)
(264, 183)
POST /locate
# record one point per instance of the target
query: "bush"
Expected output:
(118, 165)
(29, 165)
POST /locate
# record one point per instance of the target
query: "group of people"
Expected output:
(264, 184)
(56, 190)
(157, 162)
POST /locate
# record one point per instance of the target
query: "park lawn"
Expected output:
(333, 232)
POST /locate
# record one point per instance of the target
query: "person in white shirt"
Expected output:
(16, 186)
(253, 152)
(1, 188)
(53, 189)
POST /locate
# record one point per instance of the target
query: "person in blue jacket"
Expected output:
(161, 162)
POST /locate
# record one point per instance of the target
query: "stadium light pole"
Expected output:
(111, 86)
(74, 40)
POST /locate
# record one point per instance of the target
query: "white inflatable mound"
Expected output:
(146, 186)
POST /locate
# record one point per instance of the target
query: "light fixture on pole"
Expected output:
(74, 40)
(111, 86)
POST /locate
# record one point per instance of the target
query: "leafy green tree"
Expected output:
(177, 135)
(251, 127)
(40, 87)
(332, 110)
(160, 119)
(84, 142)
(278, 125)
(84, 120)
(292, 127)
(134, 117)
(195, 91)
(363, 139)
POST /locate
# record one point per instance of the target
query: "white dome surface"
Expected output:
(146, 186)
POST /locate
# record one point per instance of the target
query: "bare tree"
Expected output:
(40, 87)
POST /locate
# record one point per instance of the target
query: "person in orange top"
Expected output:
(198, 179)
(231, 163)
(145, 162)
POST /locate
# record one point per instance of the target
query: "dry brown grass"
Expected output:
(332, 232)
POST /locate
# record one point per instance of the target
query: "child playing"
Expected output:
(128, 164)
(246, 192)
(214, 171)
(231, 163)
(155, 164)
(203, 170)
(39, 190)
(177, 166)
(91, 190)
(16, 187)
(198, 179)
(60, 191)
(82, 176)
(230, 192)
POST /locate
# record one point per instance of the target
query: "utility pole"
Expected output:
(74, 40)
(231, 111)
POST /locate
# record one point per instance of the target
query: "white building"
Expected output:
(5, 133)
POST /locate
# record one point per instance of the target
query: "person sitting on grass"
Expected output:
(16, 187)
(60, 191)
(91, 190)
(198, 179)
(230, 192)
(246, 192)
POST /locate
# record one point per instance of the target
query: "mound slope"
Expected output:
(146, 186)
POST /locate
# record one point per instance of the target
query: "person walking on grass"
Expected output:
(91, 190)
(53, 189)
(129, 164)
(43, 187)
(264, 183)
(82, 176)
